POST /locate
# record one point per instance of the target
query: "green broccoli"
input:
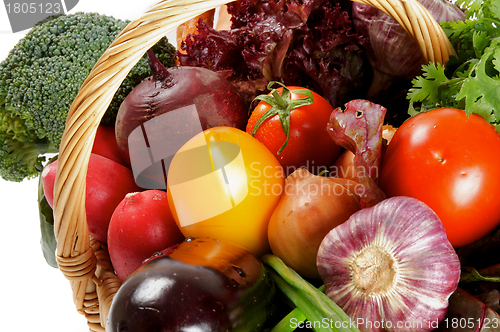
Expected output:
(42, 75)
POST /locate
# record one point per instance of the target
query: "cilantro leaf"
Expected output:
(496, 60)
(473, 6)
(480, 90)
(470, 80)
(480, 41)
(479, 8)
(426, 87)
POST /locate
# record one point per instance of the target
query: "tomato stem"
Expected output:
(279, 100)
(282, 105)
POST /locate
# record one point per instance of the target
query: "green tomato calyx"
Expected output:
(282, 105)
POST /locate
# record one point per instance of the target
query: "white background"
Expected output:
(35, 296)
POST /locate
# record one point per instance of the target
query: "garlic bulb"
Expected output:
(390, 267)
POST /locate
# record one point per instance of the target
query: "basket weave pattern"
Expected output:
(85, 261)
(420, 24)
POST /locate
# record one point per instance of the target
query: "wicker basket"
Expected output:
(84, 260)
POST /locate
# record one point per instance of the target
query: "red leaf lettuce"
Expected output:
(309, 43)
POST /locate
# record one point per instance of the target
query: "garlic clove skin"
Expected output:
(390, 267)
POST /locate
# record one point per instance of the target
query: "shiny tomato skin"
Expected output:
(256, 193)
(451, 163)
(309, 144)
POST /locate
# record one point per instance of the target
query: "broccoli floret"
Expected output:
(40, 78)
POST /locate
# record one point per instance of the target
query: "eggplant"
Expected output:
(202, 284)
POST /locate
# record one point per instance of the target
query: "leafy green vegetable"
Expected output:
(475, 8)
(470, 80)
(48, 240)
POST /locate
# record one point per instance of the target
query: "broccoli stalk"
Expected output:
(41, 77)
(20, 160)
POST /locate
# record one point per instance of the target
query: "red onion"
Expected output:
(358, 128)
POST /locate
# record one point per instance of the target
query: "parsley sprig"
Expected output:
(471, 80)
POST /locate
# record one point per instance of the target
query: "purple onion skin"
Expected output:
(216, 100)
(391, 51)
(427, 269)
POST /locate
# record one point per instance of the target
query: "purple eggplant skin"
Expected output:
(168, 294)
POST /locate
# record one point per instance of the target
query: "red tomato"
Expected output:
(451, 163)
(309, 145)
(48, 179)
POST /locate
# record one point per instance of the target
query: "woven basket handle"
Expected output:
(78, 256)
(92, 282)
(420, 24)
